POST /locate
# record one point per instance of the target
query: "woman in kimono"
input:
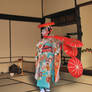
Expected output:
(47, 60)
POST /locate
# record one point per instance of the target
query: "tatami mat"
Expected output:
(74, 87)
(63, 82)
(27, 83)
(33, 90)
(21, 87)
(5, 82)
(4, 75)
(27, 79)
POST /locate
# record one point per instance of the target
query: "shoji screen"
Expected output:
(4, 45)
(25, 36)
(86, 23)
(21, 7)
(53, 6)
(82, 1)
(4, 38)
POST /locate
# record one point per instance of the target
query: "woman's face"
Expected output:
(45, 32)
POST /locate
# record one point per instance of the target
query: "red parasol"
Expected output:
(69, 41)
(75, 67)
(70, 51)
(48, 36)
(73, 42)
(59, 38)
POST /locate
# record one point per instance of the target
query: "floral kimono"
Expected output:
(47, 62)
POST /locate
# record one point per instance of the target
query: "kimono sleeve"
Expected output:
(56, 47)
(57, 60)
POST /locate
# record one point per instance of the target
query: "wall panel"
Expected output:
(25, 36)
(21, 7)
(82, 1)
(4, 38)
(86, 22)
(4, 45)
(53, 6)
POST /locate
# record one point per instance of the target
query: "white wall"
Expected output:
(31, 8)
(25, 36)
(4, 44)
(53, 6)
(86, 22)
(82, 1)
(4, 38)
(29, 67)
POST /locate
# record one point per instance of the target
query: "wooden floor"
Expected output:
(27, 83)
